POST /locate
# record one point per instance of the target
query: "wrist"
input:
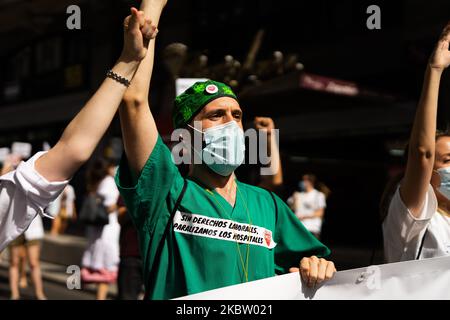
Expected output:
(436, 70)
(129, 60)
(126, 68)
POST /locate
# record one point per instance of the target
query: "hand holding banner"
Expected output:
(412, 280)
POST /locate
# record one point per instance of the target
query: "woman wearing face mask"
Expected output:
(210, 230)
(417, 225)
(309, 204)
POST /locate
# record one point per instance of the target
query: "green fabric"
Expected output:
(191, 263)
(190, 102)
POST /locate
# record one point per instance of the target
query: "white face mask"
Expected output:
(444, 189)
(224, 149)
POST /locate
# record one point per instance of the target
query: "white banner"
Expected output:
(413, 280)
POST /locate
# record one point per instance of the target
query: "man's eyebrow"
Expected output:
(447, 154)
(219, 109)
(216, 109)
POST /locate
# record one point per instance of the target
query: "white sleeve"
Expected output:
(70, 199)
(321, 203)
(36, 229)
(70, 193)
(290, 201)
(402, 232)
(54, 207)
(24, 193)
(109, 191)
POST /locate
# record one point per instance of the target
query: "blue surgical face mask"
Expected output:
(224, 148)
(444, 189)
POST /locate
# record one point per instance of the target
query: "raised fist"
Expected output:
(264, 123)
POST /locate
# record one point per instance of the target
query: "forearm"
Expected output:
(422, 144)
(82, 135)
(273, 176)
(275, 164)
(319, 213)
(422, 140)
(140, 88)
(138, 126)
(139, 129)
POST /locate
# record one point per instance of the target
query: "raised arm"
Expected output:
(422, 142)
(138, 126)
(84, 132)
(275, 179)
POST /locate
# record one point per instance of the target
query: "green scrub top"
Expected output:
(210, 244)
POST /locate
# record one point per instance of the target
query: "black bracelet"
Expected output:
(111, 74)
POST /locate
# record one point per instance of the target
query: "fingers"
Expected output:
(315, 271)
(322, 271)
(331, 270)
(305, 269)
(149, 30)
(445, 37)
(294, 270)
(135, 20)
(446, 31)
(126, 22)
(262, 122)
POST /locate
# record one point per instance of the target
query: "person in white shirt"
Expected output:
(63, 209)
(417, 225)
(100, 261)
(28, 190)
(309, 204)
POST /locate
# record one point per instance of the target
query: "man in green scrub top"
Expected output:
(210, 230)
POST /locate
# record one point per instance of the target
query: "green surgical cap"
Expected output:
(189, 103)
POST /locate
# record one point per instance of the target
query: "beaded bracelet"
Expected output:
(111, 74)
